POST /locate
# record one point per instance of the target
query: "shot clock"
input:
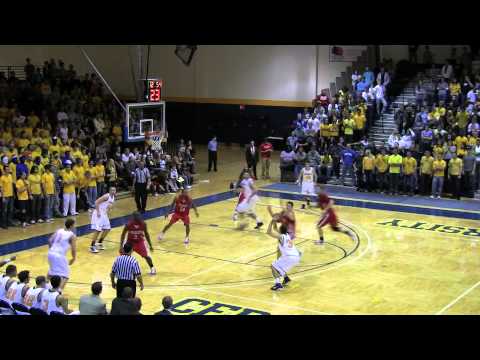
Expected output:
(154, 90)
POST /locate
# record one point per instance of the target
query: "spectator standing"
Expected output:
(48, 191)
(439, 166)
(266, 150)
(455, 169)
(92, 304)
(383, 78)
(300, 160)
(23, 196)
(395, 162)
(100, 170)
(381, 167)
(428, 57)
(6, 187)
(348, 127)
(167, 303)
(69, 197)
(447, 71)
(368, 76)
(251, 157)
(412, 54)
(380, 95)
(409, 173)
(141, 182)
(348, 157)
(468, 172)
(360, 122)
(35, 184)
(127, 272)
(426, 171)
(29, 70)
(212, 154)
(287, 158)
(368, 166)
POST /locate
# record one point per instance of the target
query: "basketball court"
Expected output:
(408, 257)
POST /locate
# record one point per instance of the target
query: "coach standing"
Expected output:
(141, 182)
(127, 271)
(212, 154)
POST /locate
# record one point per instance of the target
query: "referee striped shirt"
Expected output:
(142, 175)
(126, 267)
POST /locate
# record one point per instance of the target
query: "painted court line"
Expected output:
(461, 296)
(261, 301)
(335, 196)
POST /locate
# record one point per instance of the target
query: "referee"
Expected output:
(126, 270)
(141, 182)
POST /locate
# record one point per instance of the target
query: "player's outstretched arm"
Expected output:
(272, 229)
(122, 237)
(73, 248)
(50, 239)
(270, 211)
(172, 207)
(194, 208)
(147, 237)
(99, 201)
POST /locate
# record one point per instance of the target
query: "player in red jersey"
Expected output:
(181, 206)
(285, 217)
(329, 217)
(137, 232)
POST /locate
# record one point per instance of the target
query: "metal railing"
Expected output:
(17, 69)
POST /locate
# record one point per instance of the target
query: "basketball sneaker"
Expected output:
(93, 249)
(319, 242)
(160, 236)
(153, 271)
(187, 241)
(286, 280)
(235, 217)
(100, 246)
(277, 287)
(259, 225)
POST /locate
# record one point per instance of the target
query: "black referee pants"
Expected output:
(141, 196)
(212, 160)
(122, 284)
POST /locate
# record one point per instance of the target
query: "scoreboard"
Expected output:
(154, 90)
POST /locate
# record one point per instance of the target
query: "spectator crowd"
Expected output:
(434, 150)
(61, 146)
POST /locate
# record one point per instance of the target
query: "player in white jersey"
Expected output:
(6, 280)
(307, 179)
(58, 245)
(53, 300)
(247, 200)
(288, 255)
(33, 296)
(19, 288)
(100, 221)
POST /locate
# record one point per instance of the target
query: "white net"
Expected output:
(155, 139)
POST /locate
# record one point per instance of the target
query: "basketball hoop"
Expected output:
(155, 138)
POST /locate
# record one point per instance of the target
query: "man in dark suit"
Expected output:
(252, 157)
(167, 303)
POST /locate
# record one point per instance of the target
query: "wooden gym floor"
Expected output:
(401, 262)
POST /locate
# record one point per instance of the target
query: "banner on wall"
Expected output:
(345, 53)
